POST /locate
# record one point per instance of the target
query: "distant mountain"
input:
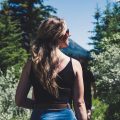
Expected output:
(75, 50)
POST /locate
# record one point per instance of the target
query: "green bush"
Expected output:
(99, 110)
(8, 108)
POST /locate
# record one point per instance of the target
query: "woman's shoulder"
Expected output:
(76, 65)
(76, 62)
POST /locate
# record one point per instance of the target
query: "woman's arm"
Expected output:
(23, 88)
(78, 98)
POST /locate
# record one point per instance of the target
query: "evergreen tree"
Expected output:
(11, 52)
(106, 19)
(97, 32)
(111, 23)
(29, 13)
(115, 20)
(107, 24)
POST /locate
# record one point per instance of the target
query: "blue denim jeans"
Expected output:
(49, 114)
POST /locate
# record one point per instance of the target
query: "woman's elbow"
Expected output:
(79, 103)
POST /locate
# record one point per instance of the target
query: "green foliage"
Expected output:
(99, 111)
(106, 61)
(106, 24)
(19, 21)
(11, 51)
(8, 108)
(97, 31)
(106, 65)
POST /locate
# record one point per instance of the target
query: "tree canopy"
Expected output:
(106, 60)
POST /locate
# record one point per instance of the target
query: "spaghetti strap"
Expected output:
(70, 59)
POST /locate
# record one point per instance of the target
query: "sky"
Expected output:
(79, 17)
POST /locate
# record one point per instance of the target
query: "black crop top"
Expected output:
(65, 81)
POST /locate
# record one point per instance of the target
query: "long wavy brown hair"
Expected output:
(45, 59)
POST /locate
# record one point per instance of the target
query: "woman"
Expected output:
(55, 77)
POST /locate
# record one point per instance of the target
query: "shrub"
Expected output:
(8, 108)
(99, 110)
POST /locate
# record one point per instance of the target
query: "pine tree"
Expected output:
(111, 23)
(11, 52)
(106, 18)
(107, 24)
(97, 31)
(29, 13)
(115, 20)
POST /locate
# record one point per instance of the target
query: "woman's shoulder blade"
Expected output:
(76, 65)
